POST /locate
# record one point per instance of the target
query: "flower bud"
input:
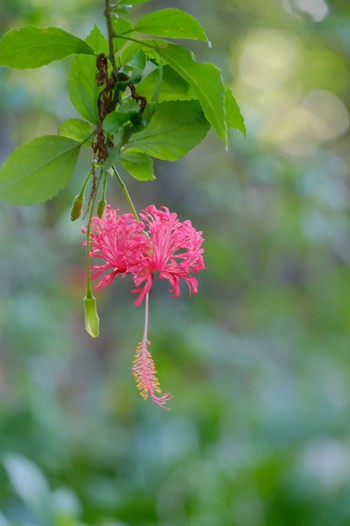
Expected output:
(101, 208)
(76, 207)
(92, 321)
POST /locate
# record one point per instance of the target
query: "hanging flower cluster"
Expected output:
(156, 243)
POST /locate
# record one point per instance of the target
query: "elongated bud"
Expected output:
(101, 208)
(76, 207)
(92, 321)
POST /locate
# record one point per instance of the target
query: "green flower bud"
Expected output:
(92, 321)
(76, 208)
(101, 208)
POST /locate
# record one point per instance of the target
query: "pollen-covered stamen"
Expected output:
(144, 370)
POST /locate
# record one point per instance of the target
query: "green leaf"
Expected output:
(130, 49)
(205, 79)
(76, 129)
(113, 121)
(138, 164)
(114, 153)
(82, 87)
(174, 130)
(137, 63)
(131, 2)
(234, 117)
(121, 26)
(31, 47)
(171, 23)
(27, 480)
(173, 86)
(97, 40)
(36, 171)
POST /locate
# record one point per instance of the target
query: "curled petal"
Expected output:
(118, 240)
(175, 252)
(158, 244)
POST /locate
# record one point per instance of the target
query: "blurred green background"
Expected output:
(258, 361)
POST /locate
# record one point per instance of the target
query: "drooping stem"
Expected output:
(110, 32)
(145, 329)
(88, 231)
(126, 193)
(81, 193)
(144, 370)
(104, 186)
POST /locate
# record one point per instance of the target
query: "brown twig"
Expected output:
(110, 32)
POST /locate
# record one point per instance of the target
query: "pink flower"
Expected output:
(159, 243)
(174, 251)
(118, 240)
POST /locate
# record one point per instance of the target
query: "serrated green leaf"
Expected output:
(173, 86)
(36, 171)
(121, 26)
(113, 121)
(171, 23)
(138, 164)
(174, 130)
(206, 80)
(82, 88)
(75, 129)
(31, 47)
(234, 117)
(129, 51)
(137, 63)
(97, 40)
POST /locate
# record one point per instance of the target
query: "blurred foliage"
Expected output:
(258, 361)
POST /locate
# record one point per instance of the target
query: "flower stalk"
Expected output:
(144, 370)
(126, 193)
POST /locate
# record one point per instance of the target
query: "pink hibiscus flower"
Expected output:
(174, 251)
(118, 240)
(159, 243)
